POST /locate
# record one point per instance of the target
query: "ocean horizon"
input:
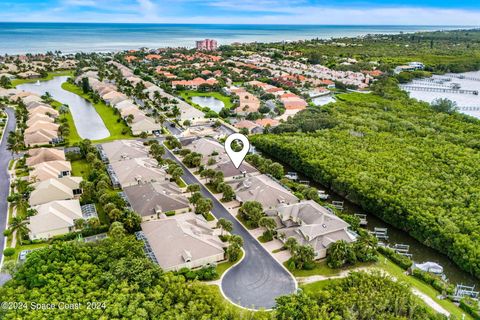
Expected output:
(40, 37)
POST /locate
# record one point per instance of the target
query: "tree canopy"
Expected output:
(397, 158)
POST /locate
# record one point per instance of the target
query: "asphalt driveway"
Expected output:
(258, 279)
(5, 157)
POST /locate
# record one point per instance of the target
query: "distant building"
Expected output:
(412, 66)
(207, 44)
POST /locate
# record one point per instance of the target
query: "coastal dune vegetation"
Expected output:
(397, 158)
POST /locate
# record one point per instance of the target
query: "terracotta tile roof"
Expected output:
(267, 121)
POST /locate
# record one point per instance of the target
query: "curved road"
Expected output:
(5, 157)
(258, 279)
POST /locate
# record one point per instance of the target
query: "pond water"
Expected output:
(210, 102)
(323, 100)
(420, 252)
(88, 122)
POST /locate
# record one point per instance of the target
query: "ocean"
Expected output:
(20, 38)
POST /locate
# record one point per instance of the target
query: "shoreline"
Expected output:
(103, 37)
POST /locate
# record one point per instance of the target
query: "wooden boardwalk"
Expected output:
(471, 108)
(436, 89)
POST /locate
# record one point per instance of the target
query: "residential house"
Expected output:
(183, 241)
(40, 155)
(212, 151)
(42, 125)
(29, 75)
(40, 137)
(251, 126)
(114, 97)
(50, 169)
(247, 103)
(32, 98)
(43, 110)
(194, 84)
(137, 171)
(312, 224)
(121, 150)
(54, 218)
(39, 117)
(65, 188)
(152, 199)
(142, 123)
(292, 102)
(263, 189)
(267, 122)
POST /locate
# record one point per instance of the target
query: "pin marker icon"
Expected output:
(237, 157)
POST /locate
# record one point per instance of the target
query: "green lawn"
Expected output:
(20, 248)
(73, 137)
(242, 220)
(321, 268)
(112, 120)
(180, 183)
(317, 286)
(16, 82)
(359, 97)
(80, 168)
(383, 264)
(224, 266)
(102, 215)
(243, 313)
(397, 272)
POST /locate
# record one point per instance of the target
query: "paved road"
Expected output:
(5, 157)
(258, 279)
(175, 130)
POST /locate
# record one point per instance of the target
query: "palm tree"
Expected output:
(79, 224)
(176, 173)
(93, 222)
(18, 201)
(157, 97)
(291, 244)
(14, 142)
(204, 206)
(157, 150)
(269, 225)
(234, 249)
(19, 225)
(193, 188)
(161, 119)
(115, 214)
(337, 254)
(176, 112)
(47, 97)
(225, 225)
(131, 221)
(236, 239)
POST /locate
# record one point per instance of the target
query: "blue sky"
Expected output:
(420, 12)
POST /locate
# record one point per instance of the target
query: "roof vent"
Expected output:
(187, 256)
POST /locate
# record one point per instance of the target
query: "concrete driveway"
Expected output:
(5, 157)
(258, 279)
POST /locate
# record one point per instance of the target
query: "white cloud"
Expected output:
(148, 9)
(81, 3)
(242, 12)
